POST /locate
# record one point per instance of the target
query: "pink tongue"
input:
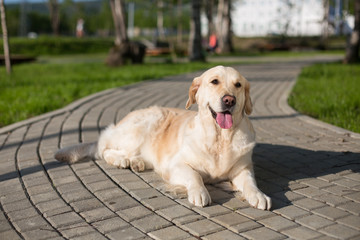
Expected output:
(224, 120)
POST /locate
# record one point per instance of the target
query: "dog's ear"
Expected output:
(192, 92)
(248, 103)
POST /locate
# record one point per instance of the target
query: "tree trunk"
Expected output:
(352, 51)
(117, 11)
(209, 15)
(160, 19)
(195, 43)
(5, 37)
(54, 10)
(179, 25)
(224, 26)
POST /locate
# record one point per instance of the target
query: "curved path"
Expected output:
(310, 169)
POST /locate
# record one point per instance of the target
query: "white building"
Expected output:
(273, 17)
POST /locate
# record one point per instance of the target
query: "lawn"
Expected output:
(36, 88)
(331, 93)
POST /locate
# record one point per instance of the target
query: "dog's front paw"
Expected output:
(258, 199)
(200, 196)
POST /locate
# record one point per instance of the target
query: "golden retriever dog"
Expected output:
(188, 148)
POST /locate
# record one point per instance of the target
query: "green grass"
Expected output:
(36, 88)
(331, 93)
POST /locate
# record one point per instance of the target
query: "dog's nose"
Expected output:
(229, 101)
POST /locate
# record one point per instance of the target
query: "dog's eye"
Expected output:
(215, 82)
(237, 85)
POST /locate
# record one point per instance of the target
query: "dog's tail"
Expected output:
(78, 152)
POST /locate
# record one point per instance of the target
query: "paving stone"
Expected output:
(10, 234)
(234, 203)
(314, 222)
(31, 223)
(351, 221)
(340, 231)
(254, 213)
(4, 225)
(17, 205)
(64, 219)
(57, 211)
(291, 212)
(202, 227)
(13, 197)
(87, 204)
(316, 183)
(211, 211)
(330, 213)
(41, 233)
(332, 199)
(348, 183)
(134, 213)
(173, 212)
(78, 229)
(308, 204)
(128, 186)
(302, 233)
(123, 202)
(111, 193)
(97, 214)
(91, 236)
(158, 203)
(310, 192)
(338, 190)
(169, 233)
(22, 214)
(263, 233)
(187, 219)
(44, 197)
(110, 225)
(101, 185)
(223, 235)
(151, 223)
(277, 223)
(230, 219)
(77, 195)
(354, 196)
(142, 194)
(126, 234)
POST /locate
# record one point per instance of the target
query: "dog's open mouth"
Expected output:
(223, 119)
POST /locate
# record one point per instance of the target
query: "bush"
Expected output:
(46, 45)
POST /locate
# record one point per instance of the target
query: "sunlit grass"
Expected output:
(36, 88)
(331, 93)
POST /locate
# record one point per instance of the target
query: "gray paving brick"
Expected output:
(310, 192)
(332, 199)
(255, 214)
(142, 194)
(314, 222)
(308, 204)
(126, 234)
(64, 219)
(10, 234)
(44, 197)
(128, 186)
(17, 205)
(97, 214)
(277, 223)
(31, 223)
(134, 213)
(110, 225)
(291, 212)
(234, 203)
(42, 233)
(109, 194)
(230, 219)
(187, 219)
(91, 236)
(302, 233)
(122, 202)
(316, 183)
(158, 203)
(263, 233)
(175, 211)
(202, 227)
(211, 211)
(22, 214)
(331, 213)
(354, 196)
(351, 221)
(77, 195)
(340, 231)
(75, 230)
(169, 233)
(348, 183)
(338, 190)
(151, 223)
(4, 225)
(223, 235)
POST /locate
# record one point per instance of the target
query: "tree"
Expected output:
(224, 26)
(5, 37)
(209, 15)
(123, 49)
(54, 10)
(195, 43)
(352, 50)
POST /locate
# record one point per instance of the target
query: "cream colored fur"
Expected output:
(189, 148)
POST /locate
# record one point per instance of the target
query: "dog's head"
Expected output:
(223, 93)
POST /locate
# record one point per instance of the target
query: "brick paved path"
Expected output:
(310, 169)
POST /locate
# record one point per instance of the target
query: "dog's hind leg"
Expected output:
(116, 158)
